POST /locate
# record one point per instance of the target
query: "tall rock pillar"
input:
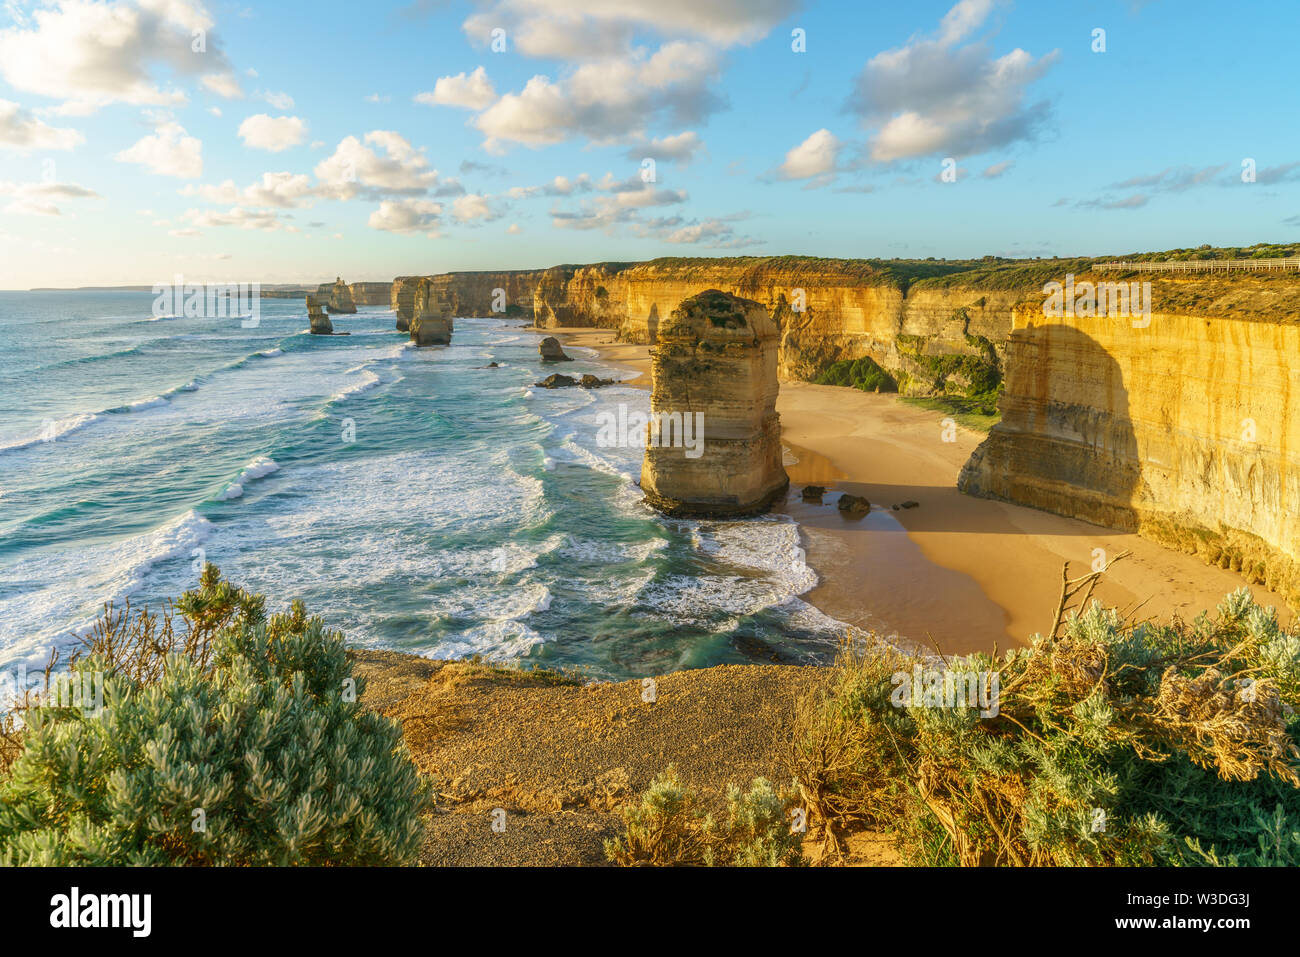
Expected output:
(432, 326)
(713, 444)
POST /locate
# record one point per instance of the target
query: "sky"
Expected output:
(293, 142)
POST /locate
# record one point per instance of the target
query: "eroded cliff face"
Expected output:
(1183, 430)
(371, 293)
(826, 310)
(469, 294)
(713, 444)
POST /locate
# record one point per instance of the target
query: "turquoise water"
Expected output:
(414, 498)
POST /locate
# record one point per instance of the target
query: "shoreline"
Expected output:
(956, 574)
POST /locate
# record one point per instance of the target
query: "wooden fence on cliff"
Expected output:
(1206, 265)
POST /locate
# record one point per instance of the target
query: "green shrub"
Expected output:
(864, 374)
(241, 742)
(668, 827)
(1116, 744)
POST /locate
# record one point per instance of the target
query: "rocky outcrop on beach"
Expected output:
(432, 326)
(854, 505)
(551, 351)
(557, 380)
(317, 319)
(713, 369)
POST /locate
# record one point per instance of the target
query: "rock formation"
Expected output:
(432, 326)
(550, 351)
(507, 294)
(336, 296)
(1158, 455)
(813, 493)
(557, 381)
(316, 318)
(855, 505)
(713, 372)
(371, 293)
(1181, 430)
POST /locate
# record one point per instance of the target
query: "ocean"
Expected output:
(415, 499)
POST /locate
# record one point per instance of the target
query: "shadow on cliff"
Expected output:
(1066, 442)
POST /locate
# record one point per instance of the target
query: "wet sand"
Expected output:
(959, 574)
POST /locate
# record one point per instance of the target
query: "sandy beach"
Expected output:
(956, 573)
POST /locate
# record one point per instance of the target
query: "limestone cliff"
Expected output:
(336, 296)
(371, 293)
(713, 444)
(1181, 430)
(470, 294)
(945, 339)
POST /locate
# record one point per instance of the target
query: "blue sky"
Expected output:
(294, 141)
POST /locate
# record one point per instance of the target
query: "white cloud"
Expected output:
(168, 151)
(607, 100)
(514, 229)
(38, 199)
(814, 157)
(997, 169)
(90, 54)
(679, 148)
(715, 233)
(407, 216)
(20, 130)
(223, 84)
(471, 91)
(937, 97)
(355, 168)
(282, 190)
(624, 200)
(281, 101)
(473, 207)
(275, 134)
(540, 25)
(260, 219)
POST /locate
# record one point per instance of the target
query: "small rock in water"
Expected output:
(853, 504)
(910, 504)
(594, 382)
(813, 493)
(557, 381)
(550, 351)
(493, 365)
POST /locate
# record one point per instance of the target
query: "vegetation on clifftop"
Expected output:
(237, 740)
(1112, 743)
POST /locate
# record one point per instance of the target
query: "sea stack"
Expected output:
(340, 297)
(713, 444)
(320, 323)
(431, 325)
